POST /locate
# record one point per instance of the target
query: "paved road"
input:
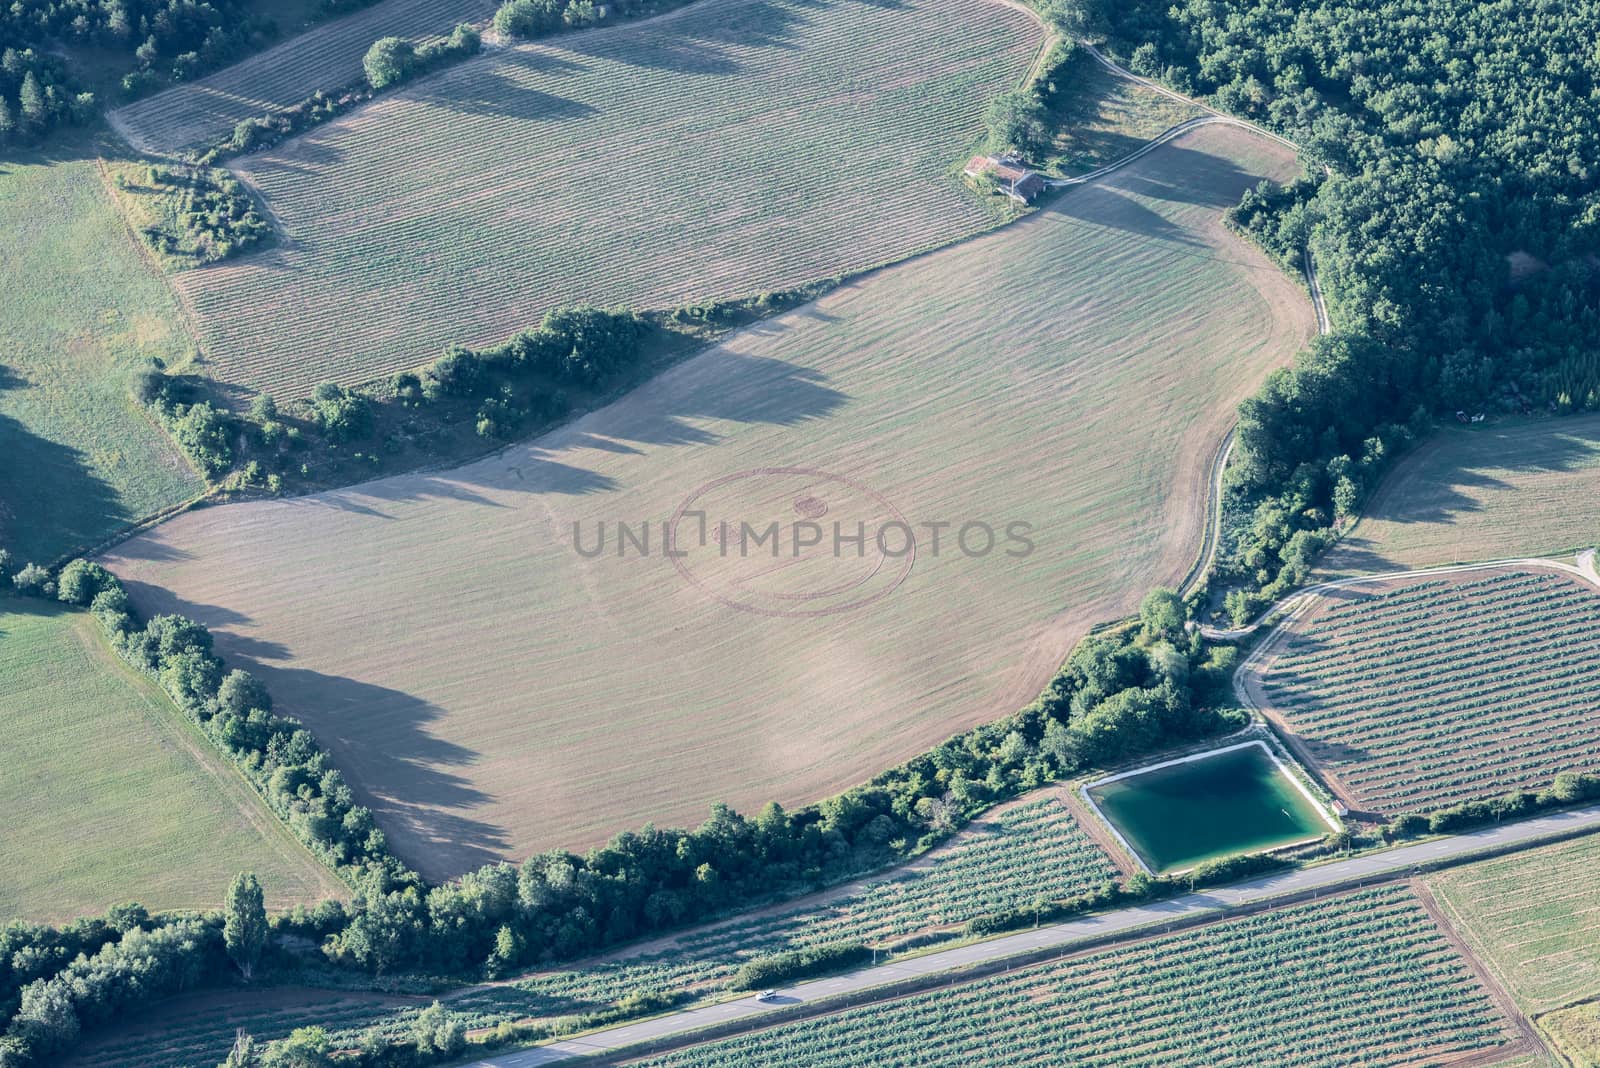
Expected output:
(1394, 863)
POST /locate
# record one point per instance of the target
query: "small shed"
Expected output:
(1013, 176)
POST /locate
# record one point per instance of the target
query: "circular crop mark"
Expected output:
(790, 541)
(809, 507)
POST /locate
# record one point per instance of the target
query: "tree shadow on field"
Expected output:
(1446, 478)
(718, 385)
(706, 41)
(498, 91)
(1190, 176)
(52, 500)
(380, 738)
(1113, 209)
(532, 471)
(309, 155)
(1187, 176)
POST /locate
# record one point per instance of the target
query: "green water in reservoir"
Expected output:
(1217, 806)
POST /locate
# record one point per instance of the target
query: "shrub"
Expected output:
(202, 432)
(1225, 870)
(528, 18)
(80, 582)
(389, 61)
(32, 579)
(799, 964)
(342, 413)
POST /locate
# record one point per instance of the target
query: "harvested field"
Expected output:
(327, 57)
(473, 674)
(1487, 494)
(1432, 692)
(80, 313)
(1366, 978)
(722, 150)
(1534, 917)
(109, 794)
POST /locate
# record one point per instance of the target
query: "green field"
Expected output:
(1219, 805)
(1534, 917)
(718, 151)
(81, 309)
(110, 796)
(1009, 859)
(1575, 1032)
(472, 673)
(1481, 494)
(1366, 978)
(1099, 118)
(1434, 692)
(327, 57)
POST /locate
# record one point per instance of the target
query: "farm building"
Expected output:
(1015, 179)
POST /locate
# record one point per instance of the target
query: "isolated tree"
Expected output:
(31, 100)
(389, 60)
(244, 925)
(438, 1031)
(306, 1047)
(8, 124)
(244, 1053)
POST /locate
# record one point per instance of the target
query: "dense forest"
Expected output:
(1453, 208)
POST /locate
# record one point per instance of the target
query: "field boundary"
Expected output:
(1530, 1041)
(1297, 603)
(230, 784)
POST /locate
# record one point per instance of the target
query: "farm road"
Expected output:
(1324, 324)
(748, 1014)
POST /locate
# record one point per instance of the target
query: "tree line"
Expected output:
(1144, 687)
(541, 18)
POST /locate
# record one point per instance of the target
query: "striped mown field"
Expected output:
(326, 57)
(1433, 692)
(725, 149)
(489, 690)
(1480, 494)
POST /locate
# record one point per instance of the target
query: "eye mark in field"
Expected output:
(754, 541)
